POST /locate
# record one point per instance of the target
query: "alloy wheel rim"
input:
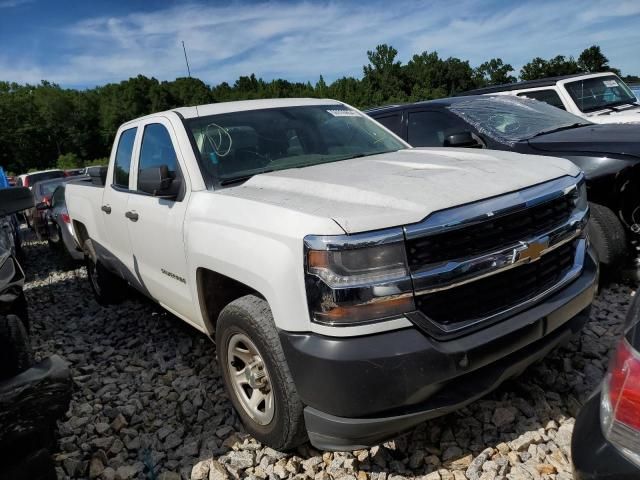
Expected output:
(250, 379)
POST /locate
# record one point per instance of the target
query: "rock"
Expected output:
(200, 470)
(563, 437)
(101, 427)
(217, 471)
(108, 474)
(169, 476)
(119, 423)
(546, 469)
(116, 447)
(172, 441)
(126, 472)
(73, 467)
(451, 452)
(96, 467)
(503, 417)
(241, 459)
(416, 460)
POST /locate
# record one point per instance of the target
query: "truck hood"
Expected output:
(630, 115)
(616, 139)
(399, 188)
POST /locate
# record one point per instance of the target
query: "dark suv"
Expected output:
(608, 154)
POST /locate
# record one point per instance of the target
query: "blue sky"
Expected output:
(88, 43)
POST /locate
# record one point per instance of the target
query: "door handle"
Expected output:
(106, 209)
(131, 215)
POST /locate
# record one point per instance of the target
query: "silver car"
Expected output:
(59, 227)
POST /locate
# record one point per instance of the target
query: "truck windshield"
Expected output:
(232, 147)
(600, 93)
(509, 119)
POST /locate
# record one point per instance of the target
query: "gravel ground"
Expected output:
(149, 400)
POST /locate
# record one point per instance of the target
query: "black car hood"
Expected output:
(622, 139)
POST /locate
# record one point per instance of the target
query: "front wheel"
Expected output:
(607, 235)
(256, 374)
(107, 287)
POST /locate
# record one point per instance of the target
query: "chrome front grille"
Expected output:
(482, 262)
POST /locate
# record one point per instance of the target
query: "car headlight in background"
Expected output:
(353, 279)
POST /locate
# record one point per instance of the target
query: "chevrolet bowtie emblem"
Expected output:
(530, 251)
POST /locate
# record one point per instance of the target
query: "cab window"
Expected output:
(548, 96)
(429, 129)
(122, 165)
(392, 122)
(157, 151)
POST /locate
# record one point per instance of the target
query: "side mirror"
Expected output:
(43, 206)
(155, 181)
(15, 199)
(463, 140)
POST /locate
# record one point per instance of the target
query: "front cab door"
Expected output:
(156, 224)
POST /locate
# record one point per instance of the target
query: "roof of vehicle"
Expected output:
(440, 102)
(541, 82)
(55, 180)
(41, 171)
(243, 105)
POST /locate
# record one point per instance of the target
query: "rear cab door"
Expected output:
(113, 245)
(156, 225)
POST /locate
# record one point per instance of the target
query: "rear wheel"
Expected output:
(107, 287)
(256, 374)
(607, 235)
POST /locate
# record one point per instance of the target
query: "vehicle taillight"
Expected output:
(65, 217)
(26, 182)
(620, 402)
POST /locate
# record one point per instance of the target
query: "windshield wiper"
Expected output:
(241, 178)
(559, 129)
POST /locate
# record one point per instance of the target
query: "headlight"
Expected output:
(357, 278)
(581, 200)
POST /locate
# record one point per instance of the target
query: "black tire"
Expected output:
(107, 287)
(55, 245)
(607, 235)
(15, 350)
(20, 309)
(251, 316)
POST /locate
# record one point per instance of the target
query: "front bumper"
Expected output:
(362, 390)
(594, 458)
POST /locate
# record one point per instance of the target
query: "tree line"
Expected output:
(44, 125)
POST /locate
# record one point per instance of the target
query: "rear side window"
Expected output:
(392, 122)
(58, 196)
(122, 165)
(548, 96)
(429, 129)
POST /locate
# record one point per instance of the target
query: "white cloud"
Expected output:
(13, 3)
(300, 41)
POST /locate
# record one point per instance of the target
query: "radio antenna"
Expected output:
(186, 60)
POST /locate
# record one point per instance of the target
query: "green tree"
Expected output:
(68, 161)
(593, 60)
(383, 75)
(494, 72)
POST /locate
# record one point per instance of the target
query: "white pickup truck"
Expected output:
(597, 97)
(354, 286)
